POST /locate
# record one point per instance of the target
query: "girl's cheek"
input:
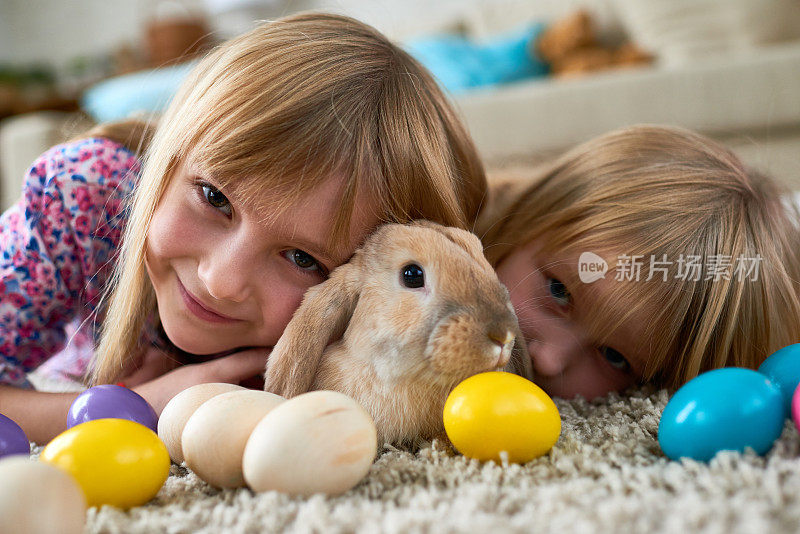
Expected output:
(172, 232)
(528, 296)
(280, 299)
(532, 316)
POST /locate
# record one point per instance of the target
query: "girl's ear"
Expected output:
(321, 318)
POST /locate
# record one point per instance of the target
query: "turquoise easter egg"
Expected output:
(724, 409)
(783, 369)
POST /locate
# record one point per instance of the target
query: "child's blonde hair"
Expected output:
(655, 191)
(292, 102)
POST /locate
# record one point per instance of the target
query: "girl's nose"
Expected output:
(552, 357)
(226, 274)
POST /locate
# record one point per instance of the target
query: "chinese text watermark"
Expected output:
(691, 268)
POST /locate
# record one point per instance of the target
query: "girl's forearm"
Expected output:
(41, 415)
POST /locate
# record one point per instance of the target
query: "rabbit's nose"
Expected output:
(501, 337)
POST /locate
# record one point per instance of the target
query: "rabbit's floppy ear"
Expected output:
(321, 317)
(466, 240)
(458, 236)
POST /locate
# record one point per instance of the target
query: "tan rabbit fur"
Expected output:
(399, 350)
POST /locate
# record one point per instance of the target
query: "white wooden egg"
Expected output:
(36, 497)
(317, 442)
(178, 410)
(214, 437)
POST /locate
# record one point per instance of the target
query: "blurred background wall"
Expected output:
(57, 32)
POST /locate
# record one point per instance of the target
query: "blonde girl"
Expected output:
(282, 150)
(649, 254)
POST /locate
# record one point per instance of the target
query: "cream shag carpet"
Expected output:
(605, 474)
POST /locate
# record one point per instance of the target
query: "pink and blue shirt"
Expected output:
(59, 243)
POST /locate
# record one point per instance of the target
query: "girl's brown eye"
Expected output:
(305, 262)
(215, 197)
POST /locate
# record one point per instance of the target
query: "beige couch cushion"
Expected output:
(482, 20)
(722, 96)
(681, 31)
(24, 138)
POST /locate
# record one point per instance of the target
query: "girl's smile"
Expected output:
(198, 308)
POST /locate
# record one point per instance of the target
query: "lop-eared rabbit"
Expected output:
(415, 311)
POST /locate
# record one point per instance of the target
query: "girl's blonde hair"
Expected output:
(292, 102)
(666, 194)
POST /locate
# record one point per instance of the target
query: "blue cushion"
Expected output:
(149, 91)
(456, 62)
(459, 64)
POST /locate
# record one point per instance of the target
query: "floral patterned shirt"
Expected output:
(59, 243)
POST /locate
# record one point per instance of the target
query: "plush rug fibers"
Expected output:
(605, 474)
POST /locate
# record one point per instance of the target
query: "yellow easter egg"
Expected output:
(114, 461)
(493, 412)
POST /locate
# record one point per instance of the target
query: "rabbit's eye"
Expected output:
(413, 276)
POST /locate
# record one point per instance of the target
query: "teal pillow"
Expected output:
(148, 91)
(460, 64)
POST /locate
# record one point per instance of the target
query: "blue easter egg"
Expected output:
(724, 409)
(783, 369)
(111, 402)
(12, 438)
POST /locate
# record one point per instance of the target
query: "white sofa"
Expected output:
(726, 68)
(751, 102)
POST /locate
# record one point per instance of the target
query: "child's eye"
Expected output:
(615, 359)
(558, 291)
(215, 198)
(304, 261)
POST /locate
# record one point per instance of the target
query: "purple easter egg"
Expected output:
(12, 438)
(111, 402)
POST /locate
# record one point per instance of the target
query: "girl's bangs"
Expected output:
(271, 126)
(301, 155)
